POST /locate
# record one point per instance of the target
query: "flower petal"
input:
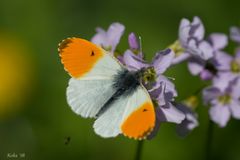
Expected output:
(195, 66)
(210, 93)
(220, 114)
(206, 75)
(237, 52)
(235, 34)
(218, 40)
(187, 125)
(157, 123)
(163, 60)
(235, 87)
(133, 62)
(120, 58)
(184, 56)
(184, 29)
(133, 41)
(222, 80)
(200, 49)
(187, 30)
(170, 87)
(223, 61)
(109, 38)
(235, 108)
(160, 115)
(100, 38)
(172, 114)
(191, 117)
(163, 90)
(192, 121)
(197, 29)
(206, 50)
(114, 34)
(159, 94)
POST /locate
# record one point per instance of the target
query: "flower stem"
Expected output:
(139, 150)
(209, 140)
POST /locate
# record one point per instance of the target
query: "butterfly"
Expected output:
(101, 87)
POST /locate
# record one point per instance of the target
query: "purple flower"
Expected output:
(109, 39)
(134, 47)
(166, 113)
(235, 34)
(223, 96)
(191, 36)
(198, 51)
(159, 87)
(189, 123)
(218, 41)
(133, 42)
(207, 69)
(228, 63)
(190, 30)
(133, 62)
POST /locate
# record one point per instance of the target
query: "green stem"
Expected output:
(139, 150)
(209, 141)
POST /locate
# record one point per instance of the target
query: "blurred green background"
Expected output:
(34, 117)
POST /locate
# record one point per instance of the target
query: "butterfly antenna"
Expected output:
(140, 43)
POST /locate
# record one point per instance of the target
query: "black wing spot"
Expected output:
(144, 110)
(92, 54)
(64, 44)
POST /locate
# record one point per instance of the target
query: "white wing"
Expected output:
(86, 97)
(110, 122)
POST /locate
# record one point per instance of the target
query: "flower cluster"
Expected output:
(205, 57)
(224, 94)
(201, 53)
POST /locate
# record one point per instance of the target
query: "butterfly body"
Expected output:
(102, 88)
(125, 83)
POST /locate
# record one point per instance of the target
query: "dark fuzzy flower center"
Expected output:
(210, 67)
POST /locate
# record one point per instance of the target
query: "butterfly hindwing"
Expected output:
(139, 118)
(132, 115)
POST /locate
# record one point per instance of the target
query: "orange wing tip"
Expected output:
(141, 137)
(79, 56)
(140, 123)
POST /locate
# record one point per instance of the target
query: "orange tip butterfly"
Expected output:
(102, 88)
